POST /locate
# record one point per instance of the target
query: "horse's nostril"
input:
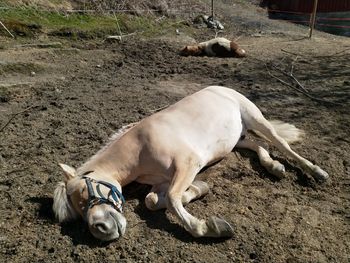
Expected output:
(102, 227)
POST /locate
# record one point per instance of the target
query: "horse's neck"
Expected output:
(114, 160)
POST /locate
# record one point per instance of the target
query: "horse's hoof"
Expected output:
(277, 169)
(151, 201)
(203, 187)
(319, 175)
(219, 228)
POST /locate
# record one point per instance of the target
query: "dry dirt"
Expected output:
(81, 93)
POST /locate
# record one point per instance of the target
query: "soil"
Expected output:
(60, 105)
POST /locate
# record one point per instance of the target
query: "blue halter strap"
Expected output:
(117, 199)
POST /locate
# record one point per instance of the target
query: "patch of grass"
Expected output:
(23, 19)
(20, 29)
(29, 22)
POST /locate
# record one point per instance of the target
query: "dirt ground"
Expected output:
(60, 105)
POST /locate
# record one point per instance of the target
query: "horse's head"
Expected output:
(98, 202)
(237, 51)
(191, 51)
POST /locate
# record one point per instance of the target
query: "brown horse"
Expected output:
(167, 150)
(217, 47)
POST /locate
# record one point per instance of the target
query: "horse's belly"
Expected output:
(221, 143)
(218, 136)
(207, 124)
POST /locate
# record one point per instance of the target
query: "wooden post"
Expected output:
(212, 9)
(313, 18)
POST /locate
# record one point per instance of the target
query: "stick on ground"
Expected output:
(8, 31)
(301, 91)
(14, 115)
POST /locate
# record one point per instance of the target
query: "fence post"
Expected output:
(313, 17)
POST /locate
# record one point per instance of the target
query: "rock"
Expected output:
(114, 38)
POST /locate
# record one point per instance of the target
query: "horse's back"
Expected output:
(207, 123)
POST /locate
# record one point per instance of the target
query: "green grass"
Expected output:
(29, 22)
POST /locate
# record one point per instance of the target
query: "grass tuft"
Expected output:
(29, 22)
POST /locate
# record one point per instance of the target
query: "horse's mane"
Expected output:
(116, 136)
(61, 206)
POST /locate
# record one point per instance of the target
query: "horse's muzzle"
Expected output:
(107, 224)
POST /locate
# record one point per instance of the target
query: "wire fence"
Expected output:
(92, 6)
(331, 22)
(317, 18)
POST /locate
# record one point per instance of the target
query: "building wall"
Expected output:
(306, 6)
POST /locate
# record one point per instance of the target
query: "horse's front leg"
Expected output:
(185, 172)
(156, 199)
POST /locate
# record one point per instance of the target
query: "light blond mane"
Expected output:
(61, 206)
(116, 136)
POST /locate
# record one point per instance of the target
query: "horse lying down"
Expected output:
(167, 150)
(217, 47)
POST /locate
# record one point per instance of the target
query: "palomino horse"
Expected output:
(167, 150)
(217, 47)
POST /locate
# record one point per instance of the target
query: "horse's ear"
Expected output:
(69, 172)
(184, 51)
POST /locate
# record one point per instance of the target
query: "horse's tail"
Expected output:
(61, 206)
(285, 130)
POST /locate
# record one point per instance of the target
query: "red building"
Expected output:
(333, 16)
(306, 6)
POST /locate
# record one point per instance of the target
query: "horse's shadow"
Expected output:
(158, 219)
(79, 233)
(77, 230)
(301, 178)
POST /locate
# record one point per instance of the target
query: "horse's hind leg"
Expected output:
(156, 199)
(272, 166)
(256, 121)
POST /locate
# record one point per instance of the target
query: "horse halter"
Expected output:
(114, 198)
